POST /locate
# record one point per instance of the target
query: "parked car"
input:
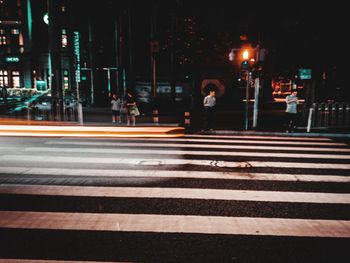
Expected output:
(42, 103)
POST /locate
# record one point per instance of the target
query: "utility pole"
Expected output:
(131, 71)
(154, 46)
(247, 101)
(77, 74)
(120, 50)
(117, 54)
(92, 89)
(172, 57)
(55, 58)
(256, 102)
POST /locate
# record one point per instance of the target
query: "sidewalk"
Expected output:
(270, 123)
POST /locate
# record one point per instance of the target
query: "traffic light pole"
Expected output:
(247, 101)
(256, 102)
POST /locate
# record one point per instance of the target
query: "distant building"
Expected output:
(14, 44)
(24, 45)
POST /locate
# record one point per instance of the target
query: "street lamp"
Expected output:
(245, 54)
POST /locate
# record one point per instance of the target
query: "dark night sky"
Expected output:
(296, 33)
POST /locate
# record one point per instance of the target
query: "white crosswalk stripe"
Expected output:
(174, 174)
(182, 152)
(176, 224)
(156, 162)
(144, 192)
(193, 177)
(200, 146)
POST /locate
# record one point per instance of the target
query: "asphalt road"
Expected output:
(200, 198)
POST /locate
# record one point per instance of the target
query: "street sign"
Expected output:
(12, 59)
(77, 55)
(305, 73)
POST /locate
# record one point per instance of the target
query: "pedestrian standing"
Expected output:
(209, 104)
(291, 111)
(115, 107)
(4, 94)
(133, 111)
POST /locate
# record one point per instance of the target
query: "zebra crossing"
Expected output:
(192, 199)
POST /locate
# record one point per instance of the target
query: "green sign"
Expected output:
(41, 85)
(12, 59)
(77, 55)
(305, 73)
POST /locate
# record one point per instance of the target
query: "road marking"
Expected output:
(174, 174)
(184, 152)
(201, 146)
(176, 224)
(5, 159)
(178, 193)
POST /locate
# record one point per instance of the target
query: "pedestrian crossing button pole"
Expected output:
(187, 121)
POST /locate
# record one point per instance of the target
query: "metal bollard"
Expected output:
(155, 117)
(187, 118)
(309, 120)
(29, 110)
(314, 113)
(326, 114)
(319, 115)
(333, 122)
(347, 115)
(341, 115)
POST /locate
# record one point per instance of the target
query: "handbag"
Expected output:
(134, 111)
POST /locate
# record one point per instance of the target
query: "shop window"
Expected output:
(4, 81)
(65, 79)
(16, 79)
(64, 38)
(20, 39)
(3, 40)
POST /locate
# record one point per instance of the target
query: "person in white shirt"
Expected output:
(291, 111)
(115, 107)
(209, 104)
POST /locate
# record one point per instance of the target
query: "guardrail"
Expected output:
(69, 114)
(329, 115)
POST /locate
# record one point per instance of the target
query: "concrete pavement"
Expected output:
(270, 123)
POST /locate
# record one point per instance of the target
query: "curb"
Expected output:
(271, 133)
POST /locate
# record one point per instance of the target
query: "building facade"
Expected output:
(24, 46)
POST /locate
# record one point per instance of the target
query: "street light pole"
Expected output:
(245, 56)
(247, 101)
(92, 89)
(55, 58)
